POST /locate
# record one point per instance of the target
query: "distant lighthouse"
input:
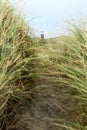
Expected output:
(42, 35)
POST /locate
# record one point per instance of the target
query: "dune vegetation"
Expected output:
(43, 84)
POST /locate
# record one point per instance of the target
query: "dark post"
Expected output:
(42, 35)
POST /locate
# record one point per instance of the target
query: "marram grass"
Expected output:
(15, 63)
(47, 80)
(67, 69)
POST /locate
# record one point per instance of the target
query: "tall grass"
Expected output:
(66, 68)
(16, 56)
(50, 77)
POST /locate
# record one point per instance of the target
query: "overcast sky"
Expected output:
(50, 15)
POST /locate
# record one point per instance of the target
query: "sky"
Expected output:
(50, 16)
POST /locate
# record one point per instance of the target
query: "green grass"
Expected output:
(66, 68)
(15, 63)
(42, 86)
